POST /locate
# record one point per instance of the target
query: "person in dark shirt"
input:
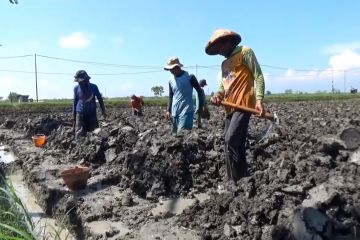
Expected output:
(84, 107)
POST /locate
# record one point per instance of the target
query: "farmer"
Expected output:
(180, 105)
(206, 114)
(240, 70)
(136, 104)
(84, 108)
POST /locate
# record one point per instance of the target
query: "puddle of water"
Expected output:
(166, 230)
(43, 224)
(176, 206)
(104, 227)
(6, 155)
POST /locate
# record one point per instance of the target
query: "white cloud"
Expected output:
(340, 47)
(345, 60)
(320, 79)
(290, 73)
(6, 82)
(14, 84)
(74, 40)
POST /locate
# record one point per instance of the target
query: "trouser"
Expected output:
(198, 120)
(236, 127)
(137, 112)
(182, 122)
(85, 124)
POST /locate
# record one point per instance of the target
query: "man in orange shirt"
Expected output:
(241, 72)
(136, 103)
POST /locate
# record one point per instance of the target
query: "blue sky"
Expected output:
(301, 45)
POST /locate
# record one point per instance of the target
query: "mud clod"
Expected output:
(303, 183)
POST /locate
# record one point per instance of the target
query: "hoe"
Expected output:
(268, 115)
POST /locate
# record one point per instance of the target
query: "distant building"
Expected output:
(22, 98)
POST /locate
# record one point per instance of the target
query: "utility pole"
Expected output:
(36, 85)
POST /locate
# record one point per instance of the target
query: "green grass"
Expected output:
(65, 105)
(310, 97)
(16, 222)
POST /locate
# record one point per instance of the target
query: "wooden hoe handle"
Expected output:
(267, 115)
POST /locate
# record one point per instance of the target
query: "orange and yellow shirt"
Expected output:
(240, 74)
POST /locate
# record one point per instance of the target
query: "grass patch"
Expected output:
(65, 105)
(310, 97)
(16, 222)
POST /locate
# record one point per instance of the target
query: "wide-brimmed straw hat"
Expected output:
(172, 62)
(212, 47)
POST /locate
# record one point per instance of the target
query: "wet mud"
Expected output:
(304, 181)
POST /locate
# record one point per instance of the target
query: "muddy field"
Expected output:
(147, 184)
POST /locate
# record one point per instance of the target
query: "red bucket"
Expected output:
(39, 140)
(76, 178)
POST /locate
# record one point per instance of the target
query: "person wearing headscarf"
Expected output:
(84, 104)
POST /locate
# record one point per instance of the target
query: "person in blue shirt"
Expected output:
(84, 108)
(180, 104)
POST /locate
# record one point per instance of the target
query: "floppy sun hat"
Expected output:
(219, 35)
(172, 62)
(203, 82)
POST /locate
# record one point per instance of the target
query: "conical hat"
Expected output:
(212, 47)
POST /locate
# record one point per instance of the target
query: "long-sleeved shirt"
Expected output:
(137, 103)
(181, 94)
(84, 100)
(197, 100)
(249, 59)
(239, 73)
